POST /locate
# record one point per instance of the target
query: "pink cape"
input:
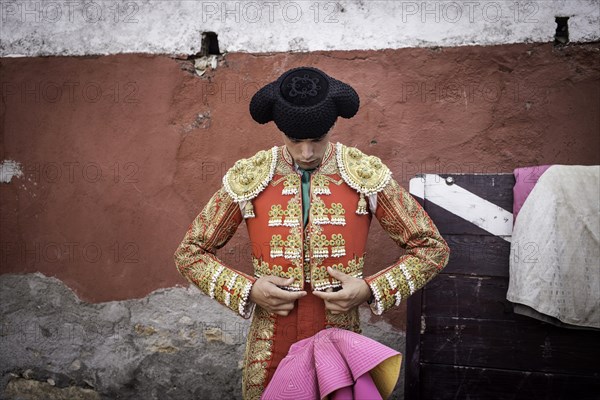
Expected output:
(335, 364)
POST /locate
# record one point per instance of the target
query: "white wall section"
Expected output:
(83, 27)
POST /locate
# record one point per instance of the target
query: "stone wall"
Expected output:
(172, 344)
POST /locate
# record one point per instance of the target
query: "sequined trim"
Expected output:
(320, 246)
(291, 184)
(321, 279)
(262, 268)
(258, 354)
(349, 320)
(291, 216)
(249, 176)
(322, 215)
(365, 174)
(288, 248)
(427, 253)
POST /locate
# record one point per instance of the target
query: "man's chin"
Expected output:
(309, 165)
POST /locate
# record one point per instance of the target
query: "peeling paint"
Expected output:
(9, 169)
(34, 28)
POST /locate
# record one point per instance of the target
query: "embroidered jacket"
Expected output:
(346, 191)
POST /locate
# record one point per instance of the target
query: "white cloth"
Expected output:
(555, 247)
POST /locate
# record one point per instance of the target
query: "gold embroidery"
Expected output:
(290, 248)
(362, 205)
(319, 211)
(293, 249)
(329, 166)
(365, 174)
(276, 246)
(249, 210)
(262, 268)
(321, 279)
(338, 245)
(291, 184)
(293, 213)
(253, 392)
(257, 373)
(320, 184)
(319, 245)
(295, 238)
(410, 227)
(349, 320)
(285, 162)
(249, 176)
(195, 258)
(258, 353)
(275, 215)
(337, 214)
(313, 230)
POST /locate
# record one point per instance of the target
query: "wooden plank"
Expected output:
(467, 297)
(495, 188)
(451, 224)
(412, 348)
(483, 201)
(522, 344)
(413, 318)
(482, 255)
(440, 382)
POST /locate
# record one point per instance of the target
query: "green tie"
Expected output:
(305, 193)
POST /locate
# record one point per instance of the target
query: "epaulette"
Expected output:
(365, 174)
(250, 176)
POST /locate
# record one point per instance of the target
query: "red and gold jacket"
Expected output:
(346, 191)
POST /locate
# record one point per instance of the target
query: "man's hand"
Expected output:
(355, 291)
(266, 293)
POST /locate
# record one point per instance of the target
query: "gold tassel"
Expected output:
(249, 210)
(362, 205)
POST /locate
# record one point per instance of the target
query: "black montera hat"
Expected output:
(304, 103)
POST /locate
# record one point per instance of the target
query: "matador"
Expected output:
(307, 205)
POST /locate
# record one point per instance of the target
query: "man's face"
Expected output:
(307, 153)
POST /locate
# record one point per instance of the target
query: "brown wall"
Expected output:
(119, 153)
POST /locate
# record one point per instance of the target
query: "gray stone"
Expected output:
(175, 343)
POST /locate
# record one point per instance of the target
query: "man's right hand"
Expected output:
(266, 293)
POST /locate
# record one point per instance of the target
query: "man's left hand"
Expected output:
(354, 292)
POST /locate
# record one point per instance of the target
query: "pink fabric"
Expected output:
(332, 362)
(364, 388)
(525, 180)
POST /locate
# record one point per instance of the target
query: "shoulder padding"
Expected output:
(249, 176)
(366, 174)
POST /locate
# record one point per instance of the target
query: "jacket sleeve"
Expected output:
(196, 260)
(426, 252)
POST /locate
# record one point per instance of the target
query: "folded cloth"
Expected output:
(525, 180)
(335, 364)
(555, 247)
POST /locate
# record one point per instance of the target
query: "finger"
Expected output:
(333, 307)
(331, 296)
(279, 297)
(279, 281)
(323, 295)
(290, 296)
(282, 307)
(339, 275)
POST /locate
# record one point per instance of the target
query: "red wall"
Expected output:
(117, 162)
